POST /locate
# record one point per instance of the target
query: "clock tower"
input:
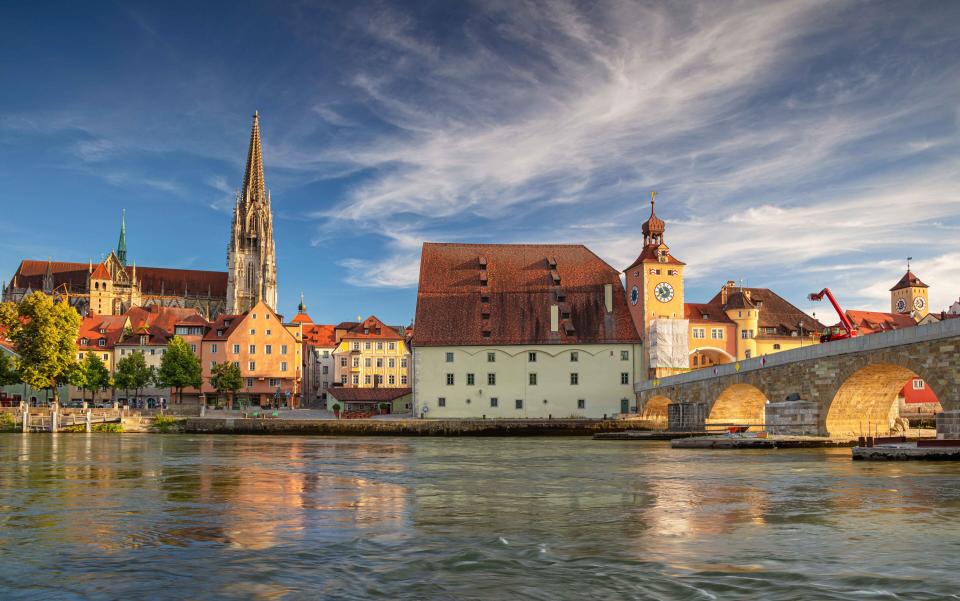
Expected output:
(655, 288)
(909, 296)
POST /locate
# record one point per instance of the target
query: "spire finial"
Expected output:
(253, 186)
(122, 244)
(908, 262)
(653, 198)
(303, 307)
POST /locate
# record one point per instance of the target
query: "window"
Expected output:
(366, 362)
(153, 351)
(236, 364)
(253, 349)
(469, 379)
(403, 380)
(391, 363)
(392, 346)
(747, 354)
(491, 357)
(533, 379)
(274, 383)
(519, 403)
(493, 401)
(918, 384)
(695, 360)
(776, 347)
(532, 357)
(491, 379)
(356, 379)
(716, 333)
(219, 332)
(326, 369)
(193, 348)
(252, 365)
(268, 349)
(269, 332)
(449, 379)
(403, 363)
(379, 346)
(213, 364)
(449, 357)
(249, 382)
(624, 378)
(441, 402)
(366, 379)
(102, 343)
(283, 366)
(355, 346)
(699, 333)
(236, 349)
(574, 379)
(343, 379)
(392, 380)
(367, 346)
(254, 315)
(253, 332)
(343, 361)
(574, 356)
(213, 348)
(746, 334)
(624, 355)
(326, 354)
(581, 404)
(379, 361)
(105, 356)
(283, 349)
(80, 356)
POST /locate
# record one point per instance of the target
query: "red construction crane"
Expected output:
(849, 329)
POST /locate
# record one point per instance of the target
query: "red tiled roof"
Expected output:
(100, 272)
(481, 294)
(871, 322)
(113, 326)
(372, 328)
(714, 313)
(342, 393)
(909, 281)
(649, 254)
(165, 318)
(775, 311)
(319, 335)
(220, 325)
(153, 280)
(302, 318)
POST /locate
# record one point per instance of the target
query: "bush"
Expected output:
(107, 428)
(7, 423)
(165, 423)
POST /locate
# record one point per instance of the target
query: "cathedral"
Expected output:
(251, 255)
(113, 286)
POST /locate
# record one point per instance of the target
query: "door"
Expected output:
(624, 405)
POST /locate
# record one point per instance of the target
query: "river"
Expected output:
(151, 517)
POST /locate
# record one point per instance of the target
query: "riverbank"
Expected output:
(393, 427)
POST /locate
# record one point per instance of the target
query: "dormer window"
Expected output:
(484, 299)
(101, 343)
(219, 332)
(103, 331)
(84, 341)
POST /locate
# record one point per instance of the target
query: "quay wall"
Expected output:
(410, 427)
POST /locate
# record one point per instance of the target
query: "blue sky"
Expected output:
(793, 145)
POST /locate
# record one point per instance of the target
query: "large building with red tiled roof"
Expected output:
(521, 330)
(112, 286)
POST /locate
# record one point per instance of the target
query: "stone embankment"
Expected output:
(407, 427)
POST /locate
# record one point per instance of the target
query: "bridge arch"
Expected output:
(655, 408)
(739, 404)
(707, 356)
(866, 401)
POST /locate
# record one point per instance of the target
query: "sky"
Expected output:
(793, 145)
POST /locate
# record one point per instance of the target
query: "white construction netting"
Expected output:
(669, 345)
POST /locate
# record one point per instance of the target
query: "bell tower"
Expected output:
(910, 296)
(655, 296)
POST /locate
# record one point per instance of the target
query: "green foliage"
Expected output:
(7, 423)
(8, 371)
(45, 336)
(180, 367)
(165, 423)
(113, 427)
(335, 407)
(226, 378)
(92, 374)
(132, 372)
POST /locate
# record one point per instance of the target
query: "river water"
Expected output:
(107, 516)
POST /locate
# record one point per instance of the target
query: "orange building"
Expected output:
(268, 354)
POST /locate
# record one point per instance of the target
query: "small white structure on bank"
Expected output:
(522, 331)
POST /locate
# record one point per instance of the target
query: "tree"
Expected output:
(44, 334)
(93, 374)
(179, 368)
(133, 373)
(8, 370)
(226, 378)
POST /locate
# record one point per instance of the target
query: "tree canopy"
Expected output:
(44, 334)
(226, 378)
(8, 370)
(180, 367)
(132, 372)
(93, 374)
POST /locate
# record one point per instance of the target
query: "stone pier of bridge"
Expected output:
(844, 388)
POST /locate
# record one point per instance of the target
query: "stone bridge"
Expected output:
(846, 387)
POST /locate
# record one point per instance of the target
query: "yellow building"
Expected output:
(371, 354)
(909, 296)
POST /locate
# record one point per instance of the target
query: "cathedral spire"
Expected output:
(253, 187)
(122, 244)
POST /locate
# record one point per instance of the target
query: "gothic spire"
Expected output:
(122, 244)
(253, 175)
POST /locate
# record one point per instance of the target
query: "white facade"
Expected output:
(525, 381)
(319, 374)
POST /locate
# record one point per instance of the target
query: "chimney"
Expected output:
(554, 318)
(608, 297)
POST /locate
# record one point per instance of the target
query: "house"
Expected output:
(521, 331)
(266, 351)
(371, 354)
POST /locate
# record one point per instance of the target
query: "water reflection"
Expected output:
(171, 517)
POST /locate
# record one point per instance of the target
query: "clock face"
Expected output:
(901, 305)
(634, 295)
(663, 292)
(918, 303)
